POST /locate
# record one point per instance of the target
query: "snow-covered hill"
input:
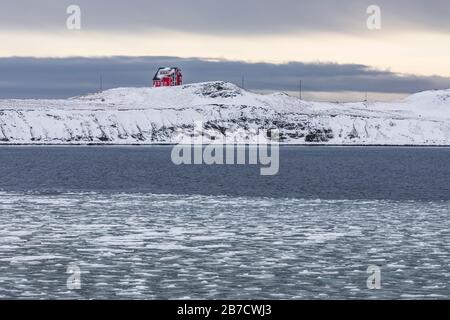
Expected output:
(152, 115)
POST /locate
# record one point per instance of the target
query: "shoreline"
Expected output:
(240, 145)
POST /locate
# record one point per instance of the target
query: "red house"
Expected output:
(168, 77)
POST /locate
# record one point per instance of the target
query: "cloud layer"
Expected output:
(65, 77)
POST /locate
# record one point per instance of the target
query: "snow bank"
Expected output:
(153, 115)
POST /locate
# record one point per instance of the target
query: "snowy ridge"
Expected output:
(152, 115)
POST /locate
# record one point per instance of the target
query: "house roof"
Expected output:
(164, 72)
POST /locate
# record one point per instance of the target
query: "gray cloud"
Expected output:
(65, 77)
(226, 17)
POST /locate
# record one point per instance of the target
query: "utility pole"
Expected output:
(366, 101)
(300, 90)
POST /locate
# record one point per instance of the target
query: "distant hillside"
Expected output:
(152, 115)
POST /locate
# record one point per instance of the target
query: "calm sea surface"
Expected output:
(139, 227)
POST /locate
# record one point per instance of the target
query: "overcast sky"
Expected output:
(324, 42)
(227, 17)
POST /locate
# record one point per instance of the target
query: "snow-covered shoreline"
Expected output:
(152, 116)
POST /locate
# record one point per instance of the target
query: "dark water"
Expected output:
(305, 172)
(138, 226)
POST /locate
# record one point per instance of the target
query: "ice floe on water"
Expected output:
(174, 246)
